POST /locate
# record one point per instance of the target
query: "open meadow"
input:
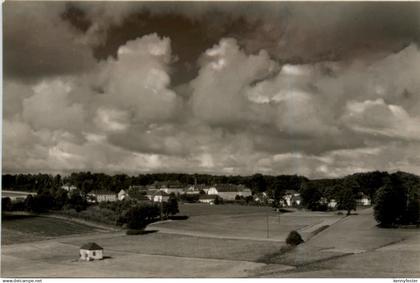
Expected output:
(219, 241)
(19, 228)
(244, 222)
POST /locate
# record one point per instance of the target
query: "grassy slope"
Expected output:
(24, 228)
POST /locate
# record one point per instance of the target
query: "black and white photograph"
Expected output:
(210, 139)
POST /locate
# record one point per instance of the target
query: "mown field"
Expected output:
(27, 228)
(241, 222)
(198, 209)
(220, 241)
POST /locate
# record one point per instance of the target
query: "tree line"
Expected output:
(395, 196)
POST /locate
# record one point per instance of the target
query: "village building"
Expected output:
(175, 190)
(332, 204)
(69, 188)
(122, 195)
(171, 187)
(363, 200)
(209, 199)
(289, 196)
(191, 191)
(102, 196)
(150, 193)
(296, 200)
(323, 201)
(160, 196)
(196, 189)
(229, 191)
(91, 251)
(259, 197)
(91, 198)
(138, 187)
(17, 196)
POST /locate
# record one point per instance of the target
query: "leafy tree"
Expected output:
(60, 198)
(249, 199)
(258, 183)
(389, 205)
(411, 216)
(42, 202)
(76, 201)
(311, 196)
(28, 203)
(6, 204)
(218, 200)
(137, 217)
(346, 199)
(171, 207)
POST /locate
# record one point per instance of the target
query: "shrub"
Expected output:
(294, 238)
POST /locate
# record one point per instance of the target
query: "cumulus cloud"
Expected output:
(249, 106)
(138, 80)
(49, 107)
(219, 89)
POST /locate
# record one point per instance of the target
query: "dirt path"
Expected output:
(152, 227)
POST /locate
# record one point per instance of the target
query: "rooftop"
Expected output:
(91, 246)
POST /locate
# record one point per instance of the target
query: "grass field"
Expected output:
(149, 255)
(198, 209)
(356, 247)
(222, 241)
(241, 222)
(26, 228)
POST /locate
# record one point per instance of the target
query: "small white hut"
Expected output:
(91, 251)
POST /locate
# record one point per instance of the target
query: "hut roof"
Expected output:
(91, 247)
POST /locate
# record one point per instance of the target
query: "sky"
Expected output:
(318, 89)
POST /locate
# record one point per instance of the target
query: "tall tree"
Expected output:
(346, 199)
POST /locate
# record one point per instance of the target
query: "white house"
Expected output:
(363, 200)
(291, 195)
(160, 196)
(122, 195)
(332, 203)
(105, 196)
(150, 193)
(296, 200)
(68, 187)
(195, 189)
(91, 251)
(171, 187)
(229, 191)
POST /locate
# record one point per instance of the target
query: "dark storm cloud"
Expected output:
(38, 43)
(291, 32)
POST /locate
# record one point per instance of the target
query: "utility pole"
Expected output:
(268, 228)
(161, 208)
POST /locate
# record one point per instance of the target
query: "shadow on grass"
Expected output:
(10, 217)
(283, 210)
(398, 226)
(140, 232)
(271, 258)
(178, 217)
